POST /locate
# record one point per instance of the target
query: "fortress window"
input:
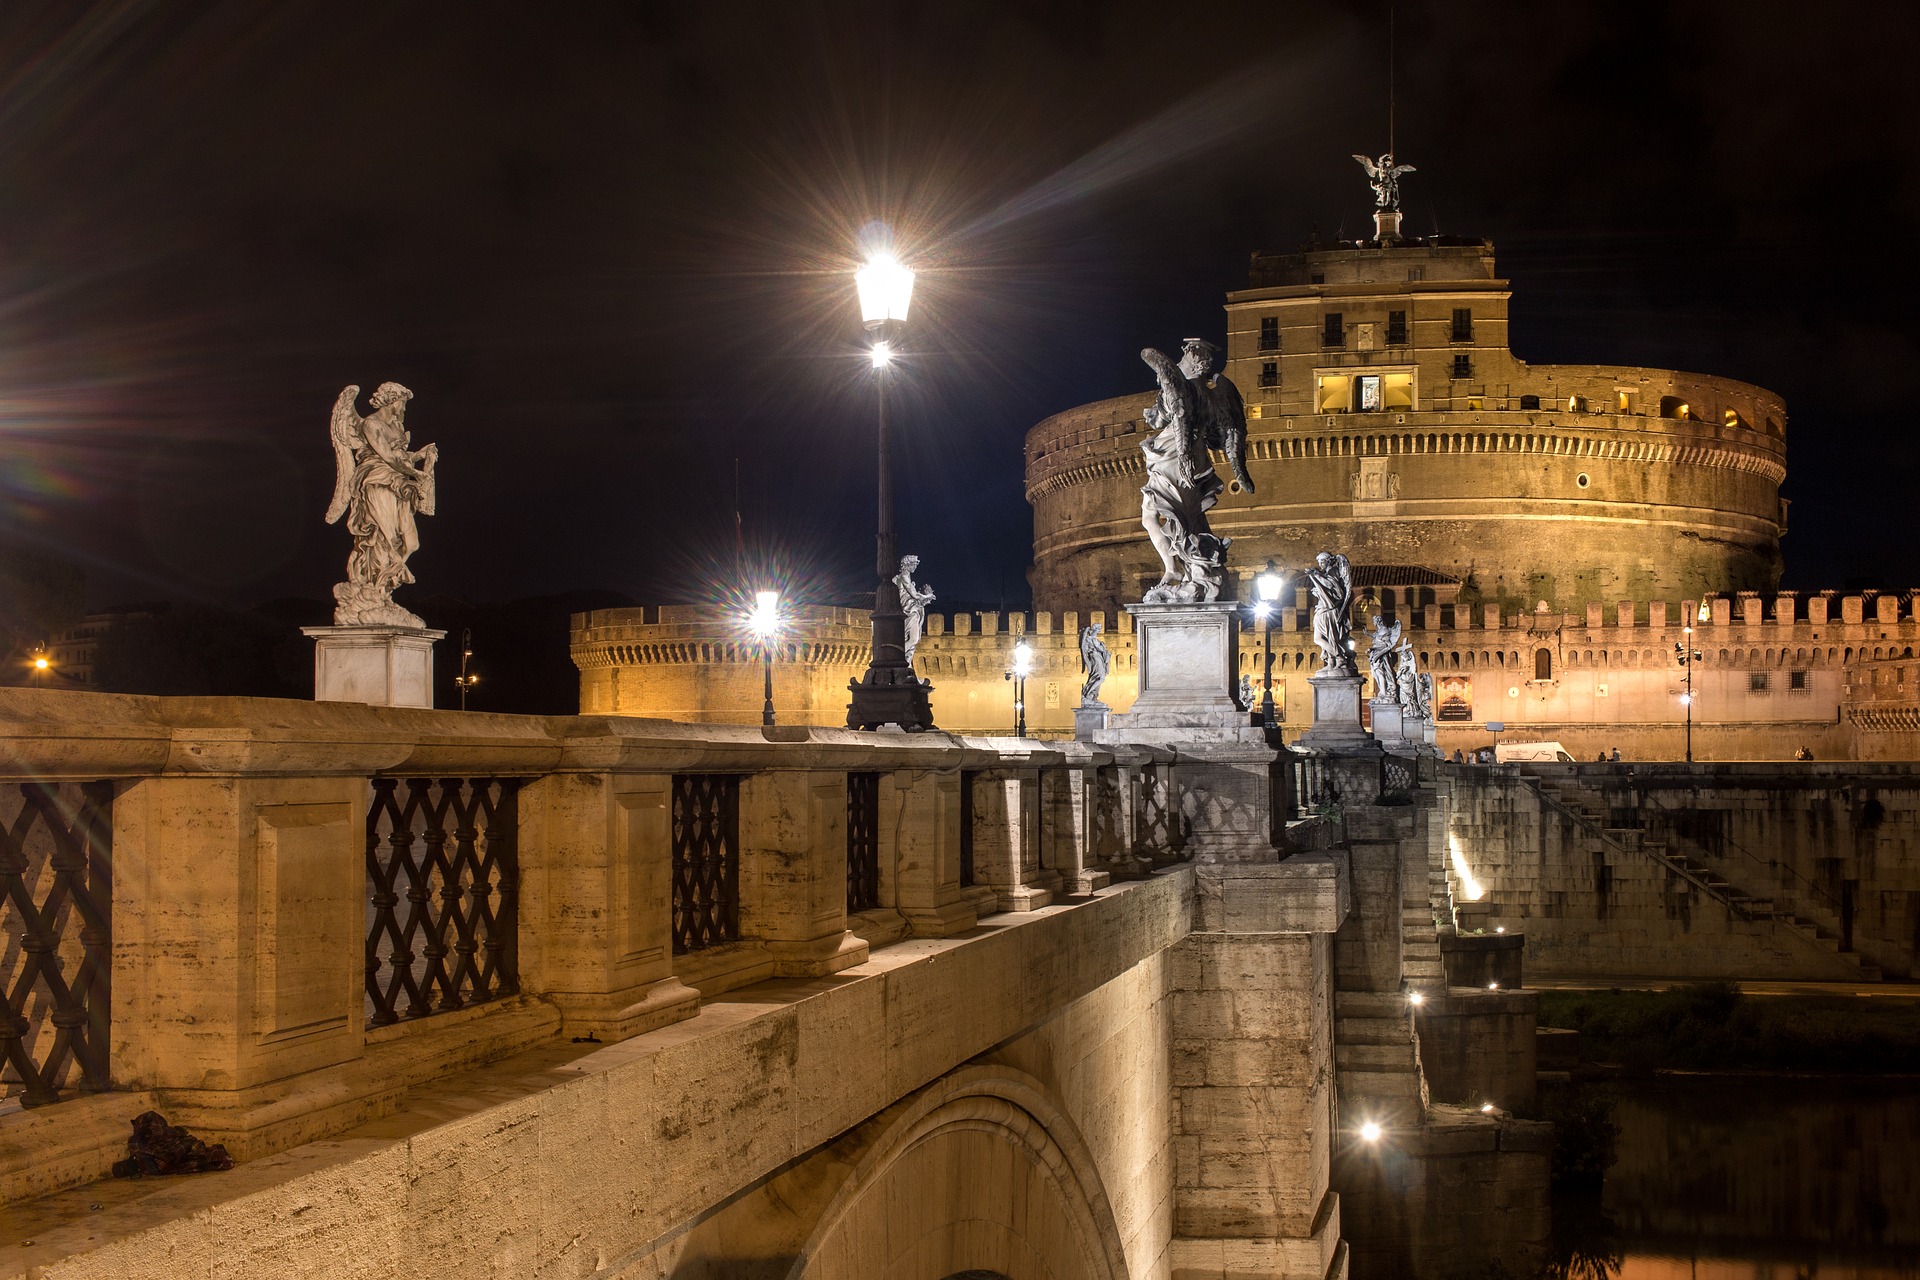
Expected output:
(1756, 682)
(1733, 419)
(1463, 324)
(1416, 273)
(1396, 328)
(1529, 402)
(1270, 374)
(1674, 407)
(1625, 401)
(1318, 277)
(1796, 682)
(1366, 393)
(1543, 664)
(1269, 333)
(1334, 394)
(1463, 366)
(1576, 404)
(1335, 334)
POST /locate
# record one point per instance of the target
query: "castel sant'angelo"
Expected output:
(1545, 534)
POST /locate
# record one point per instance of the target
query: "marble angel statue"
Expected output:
(1331, 580)
(913, 603)
(380, 485)
(1409, 677)
(1384, 177)
(1194, 414)
(1096, 661)
(1382, 639)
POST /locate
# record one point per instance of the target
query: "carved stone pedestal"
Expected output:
(1386, 719)
(380, 666)
(1187, 659)
(1090, 718)
(1336, 716)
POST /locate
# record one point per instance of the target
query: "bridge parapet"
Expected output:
(269, 919)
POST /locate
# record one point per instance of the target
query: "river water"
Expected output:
(1745, 1178)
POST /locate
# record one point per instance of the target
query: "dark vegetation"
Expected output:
(1713, 1027)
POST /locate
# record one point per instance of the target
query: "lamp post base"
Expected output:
(889, 693)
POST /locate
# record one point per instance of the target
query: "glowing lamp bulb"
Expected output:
(1486, 1107)
(1370, 1132)
(1269, 582)
(1415, 999)
(882, 354)
(1686, 699)
(41, 664)
(1022, 659)
(765, 618)
(886, 289)
(1493, 986)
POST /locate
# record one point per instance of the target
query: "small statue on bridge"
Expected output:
(913, 603)
(380, 485)
(1382, 639)
(1193, 415)
(1096, 661)
(1331, 580)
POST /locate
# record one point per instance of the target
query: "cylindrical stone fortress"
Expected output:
(1388, 419)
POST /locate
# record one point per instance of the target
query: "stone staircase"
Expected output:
(1375, 1050)
(1694, 864)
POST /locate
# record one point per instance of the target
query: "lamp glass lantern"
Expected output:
(1268, 584)
(886, 290)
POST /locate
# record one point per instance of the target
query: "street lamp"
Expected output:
(1687, 655)
(465, 680)
(765, 621)
(41, 665)
(1022, 668)
(889, 693)
(1268, 584)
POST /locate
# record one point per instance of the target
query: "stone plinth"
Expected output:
(1387, 719)
(1090, 718)
(1187, 659)
(1336, 715)
(380, 666)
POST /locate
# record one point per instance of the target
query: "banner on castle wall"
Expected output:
(1454, 698)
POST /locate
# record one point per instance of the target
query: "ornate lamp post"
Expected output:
(1022, 668)
(765, 622)
(1268, 584)
(1687, 655)
(889, 692)
(465, 680)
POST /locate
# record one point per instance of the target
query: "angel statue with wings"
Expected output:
(1096, 660)
(1382, 640)
(1193, 414)
(380, 485)
(1384, 176)
(1331, 580)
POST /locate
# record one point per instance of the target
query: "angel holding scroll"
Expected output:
(380, 485)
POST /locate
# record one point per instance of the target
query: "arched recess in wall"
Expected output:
(936, 1195)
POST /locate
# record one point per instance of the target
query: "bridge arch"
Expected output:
(980, 1172)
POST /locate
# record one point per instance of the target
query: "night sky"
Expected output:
(609, 247)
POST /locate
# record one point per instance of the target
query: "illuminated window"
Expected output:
(1576, 404)
(1733, 419)
(1335, 334)
(1270, 374)
(1396, 328)
(1624, 401)
(1476, 402)
(1269, 333)
(1674, 407)
(1463, 324)
(1333, 394)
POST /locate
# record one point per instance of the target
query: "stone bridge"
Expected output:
(469, 994)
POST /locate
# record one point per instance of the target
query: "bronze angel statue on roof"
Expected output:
(1384, 176)
(1193, 415)
(380, 485)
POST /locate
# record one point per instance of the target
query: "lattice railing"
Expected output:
(1399, 778)
(56, 923)
(966, 829)
(706, 860)
(1105, 823)
(863, 842)
(1158, 828)
(443, 874)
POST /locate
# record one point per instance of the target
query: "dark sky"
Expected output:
(608, 244)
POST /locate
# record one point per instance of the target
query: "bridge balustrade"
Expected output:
(316, 906)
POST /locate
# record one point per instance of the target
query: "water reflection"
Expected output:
(1741, 1179)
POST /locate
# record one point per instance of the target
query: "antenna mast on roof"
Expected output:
(1389, 77)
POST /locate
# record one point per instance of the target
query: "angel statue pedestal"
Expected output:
(376, 652)
(1336, 716)
(1386, 718)
(380, 666)
(1187, 657)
